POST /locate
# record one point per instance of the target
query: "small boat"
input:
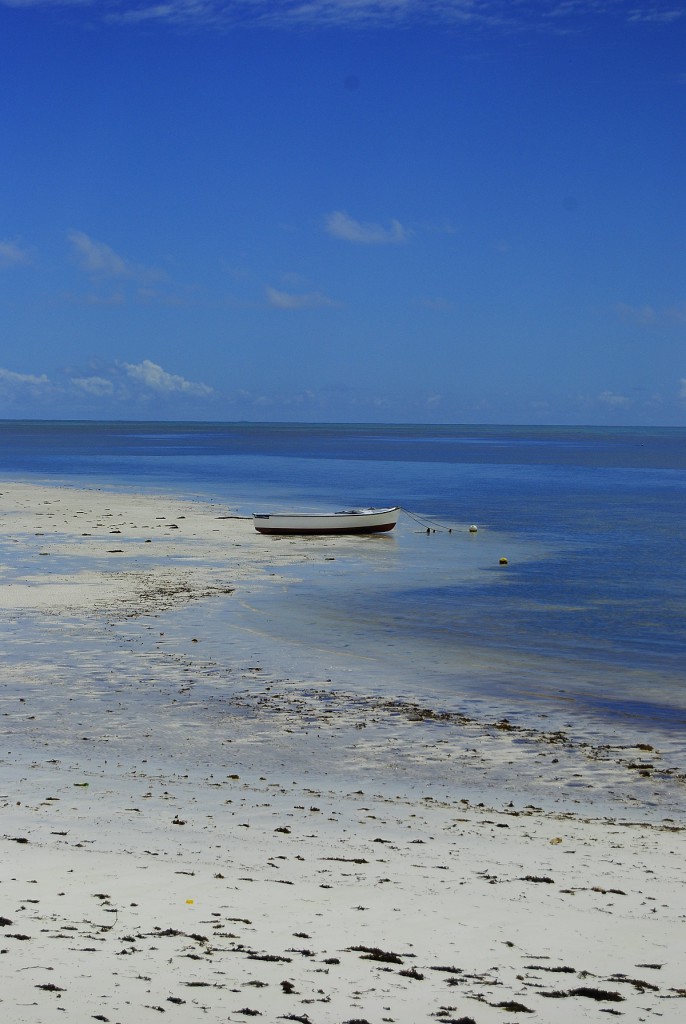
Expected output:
(356, 520)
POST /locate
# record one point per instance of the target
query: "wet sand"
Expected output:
(216, 840)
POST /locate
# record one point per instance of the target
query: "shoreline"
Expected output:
(216, 840)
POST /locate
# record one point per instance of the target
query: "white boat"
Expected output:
(356, 520)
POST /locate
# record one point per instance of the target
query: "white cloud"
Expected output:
(12, 256)
(289, 300)
(152, 376)
(340, 225)
(18, 383)
(116, 384)
(98, 386)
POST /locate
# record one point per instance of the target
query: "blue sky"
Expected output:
(344, 210)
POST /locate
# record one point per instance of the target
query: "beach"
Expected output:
(219, 838)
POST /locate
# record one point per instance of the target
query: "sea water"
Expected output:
(587, 617)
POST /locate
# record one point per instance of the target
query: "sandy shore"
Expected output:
(215, 840)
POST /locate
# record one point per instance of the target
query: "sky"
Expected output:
(455, 211)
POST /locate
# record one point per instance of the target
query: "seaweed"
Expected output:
(513, 1006)
(601, 995)
(374, 953)
(270, 957)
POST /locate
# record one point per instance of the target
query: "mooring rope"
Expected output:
(430, 524)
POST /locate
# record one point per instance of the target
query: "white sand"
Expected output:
(217, 842)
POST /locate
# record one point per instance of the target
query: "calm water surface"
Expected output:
(589, 613)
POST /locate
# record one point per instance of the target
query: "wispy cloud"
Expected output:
(99, 260)
(643, 315)
(503, 14)
(653, 12)
(97, 257)
(612, 399)
(340, 225)
(651, 316)
(290, 300)
(154, 378)
(676, 314)
(12, 255)
(174, 11)
(438, 304)
(116, 298)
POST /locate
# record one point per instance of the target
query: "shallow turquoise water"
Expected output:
(590, 612)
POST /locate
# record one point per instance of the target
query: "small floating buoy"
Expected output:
(473, 528)
(503, 561)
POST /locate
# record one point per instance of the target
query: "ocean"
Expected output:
(586, 620)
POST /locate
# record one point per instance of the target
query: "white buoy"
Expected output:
(473, 528)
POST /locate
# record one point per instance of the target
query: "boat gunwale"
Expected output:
(370, 520)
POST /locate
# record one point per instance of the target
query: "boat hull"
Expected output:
(376, 520)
